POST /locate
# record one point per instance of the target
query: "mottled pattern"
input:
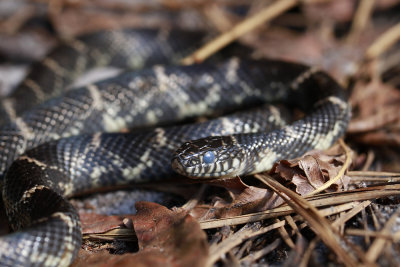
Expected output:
(144, 98)
(38, 169)
(127, 49)
(244, 154)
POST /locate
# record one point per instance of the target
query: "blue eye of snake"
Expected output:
(208, 157)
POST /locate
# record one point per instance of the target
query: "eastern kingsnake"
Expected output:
(39, 170)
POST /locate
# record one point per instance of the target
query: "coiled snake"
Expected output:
(55, 150)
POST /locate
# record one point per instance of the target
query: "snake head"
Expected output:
(211, 157)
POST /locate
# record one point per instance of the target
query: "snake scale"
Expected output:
(52, 146)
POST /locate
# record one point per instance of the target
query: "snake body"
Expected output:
(43, 170)
(127, 49)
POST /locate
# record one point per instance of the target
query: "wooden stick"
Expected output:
(266, 14)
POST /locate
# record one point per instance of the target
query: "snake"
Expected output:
(57, 142)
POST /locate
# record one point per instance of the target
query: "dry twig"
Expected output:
(384, 42)
(245, 26)
(318, 223)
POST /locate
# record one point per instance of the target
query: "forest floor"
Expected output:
(343, 212)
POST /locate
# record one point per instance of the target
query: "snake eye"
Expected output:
(208, 157)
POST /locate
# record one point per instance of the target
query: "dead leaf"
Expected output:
(245, 199)
(93, 223)
(165, 237)
(173, 233)
(311, 171)
(302, 175)
(105, 259)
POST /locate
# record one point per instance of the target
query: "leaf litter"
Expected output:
(337, 206)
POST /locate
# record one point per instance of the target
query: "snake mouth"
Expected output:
(191, 172)
(177, 167)
(201, 171)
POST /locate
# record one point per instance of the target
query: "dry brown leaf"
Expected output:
(311, 171)
(166, 237)
(105, 259)
(175, 234)
(302, 175)
(245, 199)
(93, 223)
